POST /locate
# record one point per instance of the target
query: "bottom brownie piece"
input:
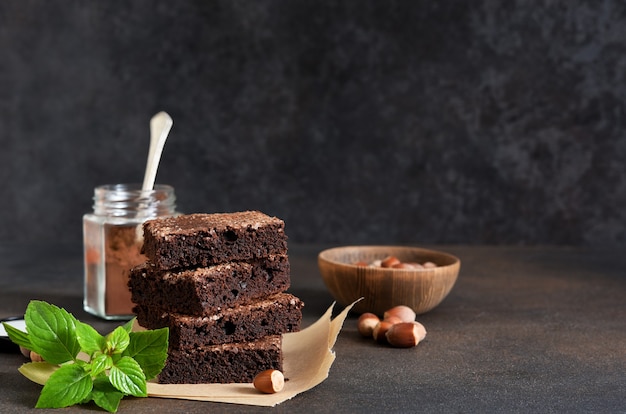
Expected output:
(226, 363)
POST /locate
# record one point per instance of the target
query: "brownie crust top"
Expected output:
(191, 223)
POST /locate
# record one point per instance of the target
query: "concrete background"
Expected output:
(354, 121)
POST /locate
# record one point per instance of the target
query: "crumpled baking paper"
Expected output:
(307, 358)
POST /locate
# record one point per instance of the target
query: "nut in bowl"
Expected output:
(354, 272)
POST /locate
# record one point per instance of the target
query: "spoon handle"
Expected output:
(160, 126)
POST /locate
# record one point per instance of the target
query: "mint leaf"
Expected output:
(117, 341)
(68, 385)
(17, 336)
(126, 375)
(128, 326)
(89, 339)
(52, 332)
(38, 372)
(105, 395)
(100, 363)
(149, 349)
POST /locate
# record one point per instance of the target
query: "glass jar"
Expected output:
(112, 241)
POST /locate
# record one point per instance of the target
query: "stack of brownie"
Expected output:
(218, 282)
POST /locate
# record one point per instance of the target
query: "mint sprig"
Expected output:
(85, 365)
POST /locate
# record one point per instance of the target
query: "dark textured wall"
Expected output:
(354, 121)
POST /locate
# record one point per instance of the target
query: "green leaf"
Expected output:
(105, 395)
(117, 341)
(128, 377)
(38, 372)
(100, 363)
(52, 332)
(149, 349)
(89, 339)
(18, 336)
(128, 326)
(68, 385)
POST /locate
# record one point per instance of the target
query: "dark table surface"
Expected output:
(525, 329)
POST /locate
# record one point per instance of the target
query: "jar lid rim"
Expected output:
(132, 187)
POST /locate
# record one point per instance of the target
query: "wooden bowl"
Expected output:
(382, 288)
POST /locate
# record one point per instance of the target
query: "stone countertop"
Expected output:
(525, 329)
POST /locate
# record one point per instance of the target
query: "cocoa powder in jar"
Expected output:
(122, 252)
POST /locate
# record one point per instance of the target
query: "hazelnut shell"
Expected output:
(405, 334)
(405, 313)
(380, 331)
(366, 324)
(269, 381)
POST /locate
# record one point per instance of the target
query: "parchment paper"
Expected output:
(307, 358)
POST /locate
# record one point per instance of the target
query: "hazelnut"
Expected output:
(429, 265)
(405, 313)
(380, 330)
(269, 381)
(393, 319)
(403, 266)
(35, 357)
(366, 324)
(25, 352)
(405, 334)
(389, 261)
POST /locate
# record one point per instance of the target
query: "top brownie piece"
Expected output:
(200, 240)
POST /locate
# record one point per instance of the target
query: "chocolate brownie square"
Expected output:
(226, 363)
(207, 290)
(200, 240)
(272, 316)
